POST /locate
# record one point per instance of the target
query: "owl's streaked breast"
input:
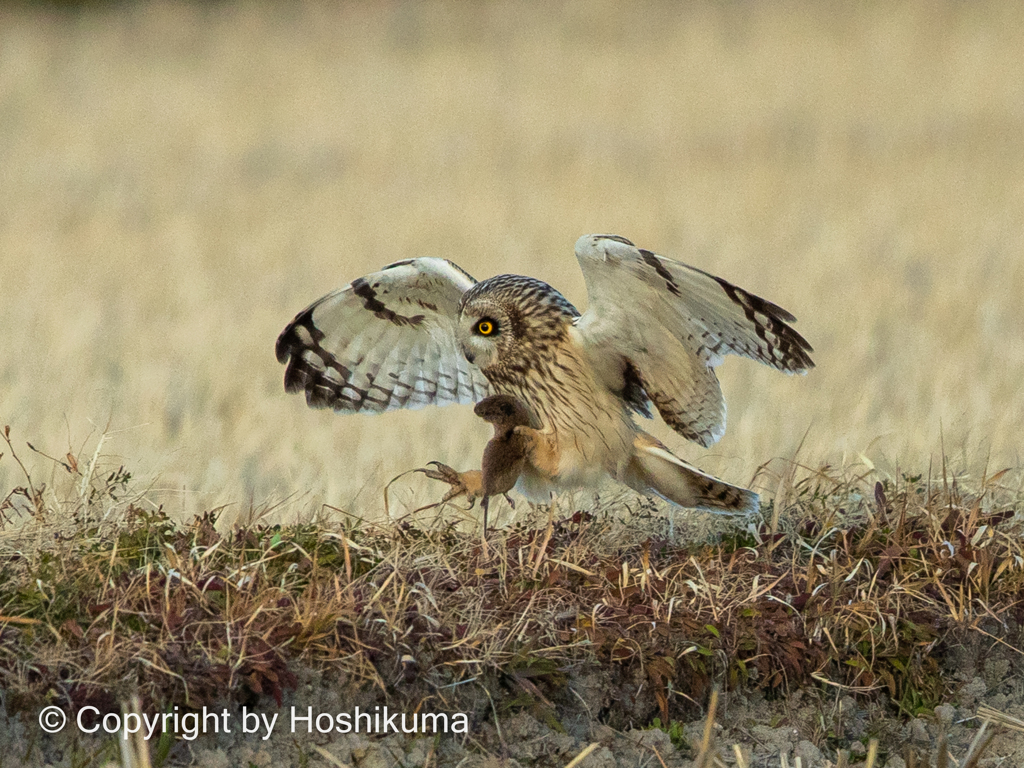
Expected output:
(542, 361)
(587, 426)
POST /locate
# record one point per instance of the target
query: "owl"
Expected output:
(423, 332)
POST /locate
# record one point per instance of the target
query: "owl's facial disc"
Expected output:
(482, 333)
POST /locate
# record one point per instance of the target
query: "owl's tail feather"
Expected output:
(653, 469)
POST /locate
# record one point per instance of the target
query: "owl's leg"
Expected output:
(541, 448)
(469, 483)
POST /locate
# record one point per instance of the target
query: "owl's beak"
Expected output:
(469, 356)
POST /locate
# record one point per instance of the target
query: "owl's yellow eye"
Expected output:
(485, 327)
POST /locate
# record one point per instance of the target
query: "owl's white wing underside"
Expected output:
(385, 341)
(660, 326)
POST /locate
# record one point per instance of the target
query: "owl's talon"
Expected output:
(443, 472)
(467, 483)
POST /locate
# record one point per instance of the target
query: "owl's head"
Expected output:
(507, 320)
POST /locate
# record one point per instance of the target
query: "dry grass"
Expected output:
(864, 587)
(180, 179)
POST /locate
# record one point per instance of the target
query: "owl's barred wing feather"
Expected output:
(654, 469)
(385, 341)
(690, 320)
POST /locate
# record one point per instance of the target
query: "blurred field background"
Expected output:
(178, 180)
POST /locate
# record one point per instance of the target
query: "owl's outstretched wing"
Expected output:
(385, 341)
(660, 326)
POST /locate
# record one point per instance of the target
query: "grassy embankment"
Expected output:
(849, 582)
